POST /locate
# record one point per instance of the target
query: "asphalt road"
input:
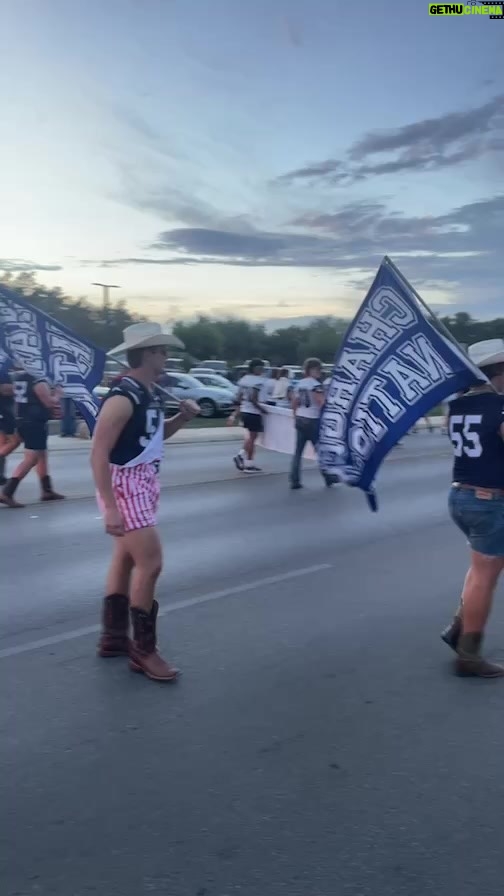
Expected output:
(317, 743)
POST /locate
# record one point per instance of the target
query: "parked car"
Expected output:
(195, 371)
(213, 402)
(214, 380)
(217, 367)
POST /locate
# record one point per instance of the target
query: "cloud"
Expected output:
(20, 266)
(427, 145)
(464, 245)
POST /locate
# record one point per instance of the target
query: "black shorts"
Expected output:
(7, 423)
(33, 434)
(253, 422)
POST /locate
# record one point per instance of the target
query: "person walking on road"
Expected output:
(9, 439)
(126, 453)
(476, 503)
(36, 403)
(248, 400)
(307, 403)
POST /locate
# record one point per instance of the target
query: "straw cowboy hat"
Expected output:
(490, 351)
(146, 335)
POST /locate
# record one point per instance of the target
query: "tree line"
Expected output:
(232, 340)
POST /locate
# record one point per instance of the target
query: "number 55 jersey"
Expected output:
(474, 425)
(141, 441)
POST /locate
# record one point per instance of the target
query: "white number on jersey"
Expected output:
(465, 436)
(20, 391)
(151, 425)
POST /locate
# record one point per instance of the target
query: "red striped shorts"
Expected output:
(136, 490)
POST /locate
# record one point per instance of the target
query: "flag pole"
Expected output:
(159, 388)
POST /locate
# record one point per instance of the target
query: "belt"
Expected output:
(486, 493)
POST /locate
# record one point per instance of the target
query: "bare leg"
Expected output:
(119, 574)
(29, 461)
(479, 588)
(144, 547)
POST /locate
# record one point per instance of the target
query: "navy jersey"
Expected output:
(29, 408)
(6, 401)
(142, 426)
(474, 426)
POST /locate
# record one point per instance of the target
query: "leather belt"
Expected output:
(480, 491)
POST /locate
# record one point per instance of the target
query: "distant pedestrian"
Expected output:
(9, 440)
(36, 403)
(248, 402)
(68, 419)
(281, 388)
(307, 403)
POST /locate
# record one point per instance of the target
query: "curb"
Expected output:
(212, 435)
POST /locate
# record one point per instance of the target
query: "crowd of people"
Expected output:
(127, 450)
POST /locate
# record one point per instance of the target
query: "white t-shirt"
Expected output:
(281, 387)
(248, 385)
(305, 393)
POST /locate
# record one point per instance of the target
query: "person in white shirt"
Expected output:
(281, 387)
(248, 400)
(307, 403)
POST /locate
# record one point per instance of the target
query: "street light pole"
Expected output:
(106, 297)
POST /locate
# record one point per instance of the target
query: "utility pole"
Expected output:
(106, 297)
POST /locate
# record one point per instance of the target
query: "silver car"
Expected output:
(213, 402)
(215, 381)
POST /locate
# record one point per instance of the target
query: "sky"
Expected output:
(252, 158)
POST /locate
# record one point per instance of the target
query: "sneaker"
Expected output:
(252, 469)
(239, 462)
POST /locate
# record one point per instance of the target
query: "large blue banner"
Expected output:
(393, 367)
(45, 348)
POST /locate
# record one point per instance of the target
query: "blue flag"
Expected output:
(45, 348)
(393, 367)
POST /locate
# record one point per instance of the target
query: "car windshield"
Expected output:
(219, 382)
(187, 381)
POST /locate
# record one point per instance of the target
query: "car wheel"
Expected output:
(208, 408)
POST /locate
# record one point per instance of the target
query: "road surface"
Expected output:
(317, 743)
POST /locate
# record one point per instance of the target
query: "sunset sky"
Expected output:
(256, 158)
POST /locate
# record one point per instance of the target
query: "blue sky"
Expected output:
(253, 158)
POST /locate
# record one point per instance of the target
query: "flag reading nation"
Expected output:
(393, 367)
(46, 348)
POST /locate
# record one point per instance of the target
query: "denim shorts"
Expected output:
(481, 520)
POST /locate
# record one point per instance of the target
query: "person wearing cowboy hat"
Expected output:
(126, 453)
(476, 502)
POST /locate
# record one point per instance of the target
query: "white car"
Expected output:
(209, 378)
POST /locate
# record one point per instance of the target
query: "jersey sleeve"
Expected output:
(126, 389)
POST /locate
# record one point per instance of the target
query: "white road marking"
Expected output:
(30, 646)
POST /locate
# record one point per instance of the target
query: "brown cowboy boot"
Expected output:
(143, 650)
(48, 493)
(470, 663)
(114, 640)
(7, 494)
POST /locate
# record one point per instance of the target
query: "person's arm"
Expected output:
(187, 411)
(46, 397)
(319, 396)
(111, 421)
(6, 389)
(237, 402)
(254, 399)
